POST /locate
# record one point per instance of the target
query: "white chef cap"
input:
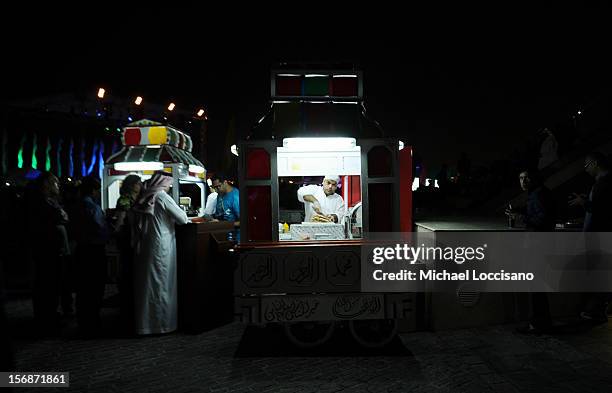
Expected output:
(332, 176)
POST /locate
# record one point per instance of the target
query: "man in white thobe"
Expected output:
(321, 203)
(154, 239)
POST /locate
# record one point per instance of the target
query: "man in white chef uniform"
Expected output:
(321, 203)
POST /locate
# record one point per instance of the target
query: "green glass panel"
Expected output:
(316, 86)
(151, 155)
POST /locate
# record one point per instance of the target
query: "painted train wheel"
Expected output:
(373, 333)
(309, 334)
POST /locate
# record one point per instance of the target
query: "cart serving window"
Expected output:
(314, 164)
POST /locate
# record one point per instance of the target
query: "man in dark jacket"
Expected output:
(597, 218)
(47, 226)
(597, 206)
(93, 234)
(539, 215)
(540, 212)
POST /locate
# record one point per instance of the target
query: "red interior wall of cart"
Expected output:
(352, 190)
(405, 162)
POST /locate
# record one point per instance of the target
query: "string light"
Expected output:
(138, 101)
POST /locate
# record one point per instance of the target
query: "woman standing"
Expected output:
(154, 240)
(130, 189)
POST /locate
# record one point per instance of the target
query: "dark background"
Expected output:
(446, 80)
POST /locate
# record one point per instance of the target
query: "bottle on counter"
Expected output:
(285, 228)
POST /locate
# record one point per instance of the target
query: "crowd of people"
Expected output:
(72, 233)
(539, 215)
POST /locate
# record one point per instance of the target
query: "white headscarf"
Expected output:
(145, 205)
(156, 184)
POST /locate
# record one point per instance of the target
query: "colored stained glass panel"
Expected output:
(131, 136)
(288, 85)
(316, 86)
(259, 207)
(158, 135)
(344, 87)
(258, 164)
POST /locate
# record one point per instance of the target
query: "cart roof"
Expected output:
(149, 141)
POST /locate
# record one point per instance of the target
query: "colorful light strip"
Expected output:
(82, 158)
(58, 157)
(34, 148)
(94, 158)
(71, 158)
(20, 153)
(101, 160)
(48, 155)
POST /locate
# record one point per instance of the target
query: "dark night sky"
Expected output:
(446, 83)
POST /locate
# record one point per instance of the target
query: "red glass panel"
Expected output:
(258, 164)
(131, 136)
(288, 85)
(344, 87)
(379, 162)
(259, 209)
(405, 189)
(381, 207)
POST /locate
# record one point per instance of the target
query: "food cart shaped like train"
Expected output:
(308, 278)
(150, 146)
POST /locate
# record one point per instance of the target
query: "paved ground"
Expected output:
(238, 359)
